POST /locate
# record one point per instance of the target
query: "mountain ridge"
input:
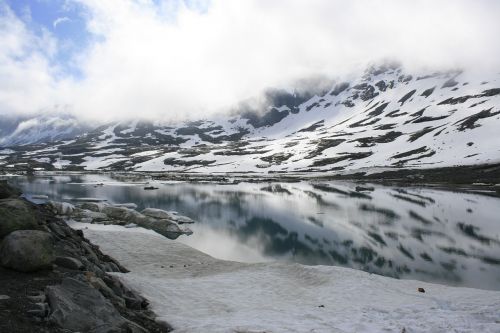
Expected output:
(385, 118)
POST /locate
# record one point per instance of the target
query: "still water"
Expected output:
(416, 233)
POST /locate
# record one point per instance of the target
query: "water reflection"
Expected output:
(424, 234)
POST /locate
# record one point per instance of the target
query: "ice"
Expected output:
(197, 293)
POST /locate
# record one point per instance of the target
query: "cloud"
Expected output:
(27, 79)
(151, 62)
(60, 20)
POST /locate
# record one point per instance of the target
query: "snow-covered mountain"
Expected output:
(385, 118)
(39, 129)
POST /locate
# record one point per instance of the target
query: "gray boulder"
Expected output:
(93, 206)
(78, 307)
(27, 250)
(62, 208)
(130, 205)
(157, 213)
(163, 214)
(166, 228)
(90, 216)
(68, 262)
(16, 214)
(119, 213)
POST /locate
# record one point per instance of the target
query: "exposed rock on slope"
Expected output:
(374, 121)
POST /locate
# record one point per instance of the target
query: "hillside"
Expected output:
(386, 118)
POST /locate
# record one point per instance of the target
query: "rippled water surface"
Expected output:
(425, 234)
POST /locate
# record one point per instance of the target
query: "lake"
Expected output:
(405, 232)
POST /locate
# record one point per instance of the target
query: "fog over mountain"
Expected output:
(387, 117)
(171, 60)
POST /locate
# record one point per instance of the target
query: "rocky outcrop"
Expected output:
(168, 224)
(27, 250)
(74, 292)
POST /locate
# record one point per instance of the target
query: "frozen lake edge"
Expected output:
(197, 293)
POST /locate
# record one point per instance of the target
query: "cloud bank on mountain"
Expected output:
(169, 59)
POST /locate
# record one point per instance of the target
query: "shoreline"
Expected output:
(198, 293)
(74, 290)
(481, 179)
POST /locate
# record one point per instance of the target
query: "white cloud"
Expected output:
(149, 65)
(60, 20)
(26, 78)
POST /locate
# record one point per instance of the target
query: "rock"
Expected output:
(163, 214)
(157, 213)
(62, 208)
(96, 269)
(129, 205)
(60, 232)
(183, 219)
(114, 283)
(7, 191)
(78, 307)
(90, 216)
(40, 197)
(119, 213)
(150, 188)
(110, 267)
(16, 214)
(27, 250)
(90, 252)
(100, 285)
(37, 296)
(133, 300)
(166, 228)
(89, 200)
(39, 310)
(93, 206)
(69, 263)
(134, 328)
(154, 220)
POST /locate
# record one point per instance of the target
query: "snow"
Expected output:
(94, 163)
(146, 153)
(60, 163)
(197, 293)
(42, 159)
(445, 143)
(6, 151)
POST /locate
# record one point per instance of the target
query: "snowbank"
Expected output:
(197, 293)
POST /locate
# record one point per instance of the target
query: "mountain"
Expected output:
(385, 118)
(44, 128)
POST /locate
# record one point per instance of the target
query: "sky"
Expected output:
(170, 59)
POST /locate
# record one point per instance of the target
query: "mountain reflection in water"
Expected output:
(417, 233)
